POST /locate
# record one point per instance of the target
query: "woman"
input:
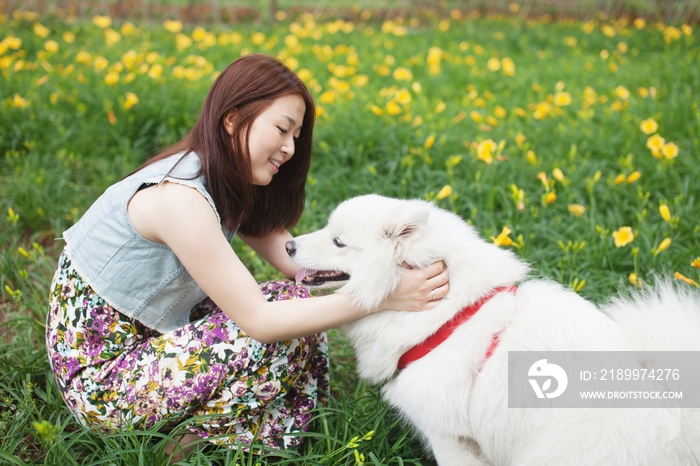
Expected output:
(154, 319)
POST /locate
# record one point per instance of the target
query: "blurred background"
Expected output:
(267, 11)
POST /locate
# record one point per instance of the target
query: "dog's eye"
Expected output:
(338, 243)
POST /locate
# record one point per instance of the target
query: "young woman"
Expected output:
(153, 318)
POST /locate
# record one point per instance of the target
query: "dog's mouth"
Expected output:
(311, 277)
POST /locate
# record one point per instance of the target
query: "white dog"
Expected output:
(456, 394)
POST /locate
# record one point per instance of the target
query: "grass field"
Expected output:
(574, 143)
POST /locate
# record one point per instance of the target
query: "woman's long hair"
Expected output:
(248, 86)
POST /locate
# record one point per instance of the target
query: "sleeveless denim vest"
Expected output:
(140, 278)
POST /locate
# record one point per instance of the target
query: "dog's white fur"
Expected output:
(463, 411)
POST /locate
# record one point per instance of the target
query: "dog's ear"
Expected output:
(408, 221)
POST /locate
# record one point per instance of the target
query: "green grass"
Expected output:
(66, 135)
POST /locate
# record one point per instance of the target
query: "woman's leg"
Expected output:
(114, 378)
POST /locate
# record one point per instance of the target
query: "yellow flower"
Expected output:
(634, 280)
(112, 36)
(376, 110)
(128, 28)
(656, 142)
(41, 30)
(577, 209)
(494, 64)
(429, 141)
(541, 111)
(562, 99)
(51, 46)
(520, 140)
(100, 63)
(542, 176)
(558, 174)
(670, 150)
(476, 116)
(402, 74)
(508, 66)
(622, 93)
(102, 21)
(19, 102)
(12, 217)
(696, 263)
(634, 176)
(550, 197)
(663, 245)
(445, 192)
(392, 108)
(639, 23)
(182, 41)
(500, 112)
(257, 38)
(619, 179)
(403, 96)
(453, 161)
(12, 42)
(649, 126)
(111, 117)
(665, 212)
(440, 107)
(156, 71)
(683, 278)
(484, 151)
(131, 100)
(623, 236)
(360, 80)
(328, 97)
(531, 157)
(172, 26)
(111, 78)
(503, 239)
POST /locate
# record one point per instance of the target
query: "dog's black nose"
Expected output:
(291, 248)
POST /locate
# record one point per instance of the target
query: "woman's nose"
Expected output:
(288, 148)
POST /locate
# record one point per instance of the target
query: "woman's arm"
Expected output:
(271, 248)
(181, 218)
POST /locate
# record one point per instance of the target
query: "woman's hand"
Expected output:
(419, 289)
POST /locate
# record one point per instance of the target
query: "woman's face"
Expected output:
(272, 136)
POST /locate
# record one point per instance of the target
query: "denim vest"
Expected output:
(140, 278)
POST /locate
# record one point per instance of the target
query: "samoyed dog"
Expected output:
(454, 390)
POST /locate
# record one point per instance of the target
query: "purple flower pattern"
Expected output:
(116, 374)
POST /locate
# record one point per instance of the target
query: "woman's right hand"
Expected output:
(419, 289)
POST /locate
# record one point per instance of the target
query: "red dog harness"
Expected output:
(434, 340)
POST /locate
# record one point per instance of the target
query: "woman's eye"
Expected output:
(282, 130)
(338, 243)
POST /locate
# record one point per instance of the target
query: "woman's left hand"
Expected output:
(419, 289)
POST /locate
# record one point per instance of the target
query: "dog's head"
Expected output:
(366, 244)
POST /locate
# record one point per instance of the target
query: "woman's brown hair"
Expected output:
(248, 86)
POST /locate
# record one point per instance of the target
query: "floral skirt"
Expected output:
(115, 374)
